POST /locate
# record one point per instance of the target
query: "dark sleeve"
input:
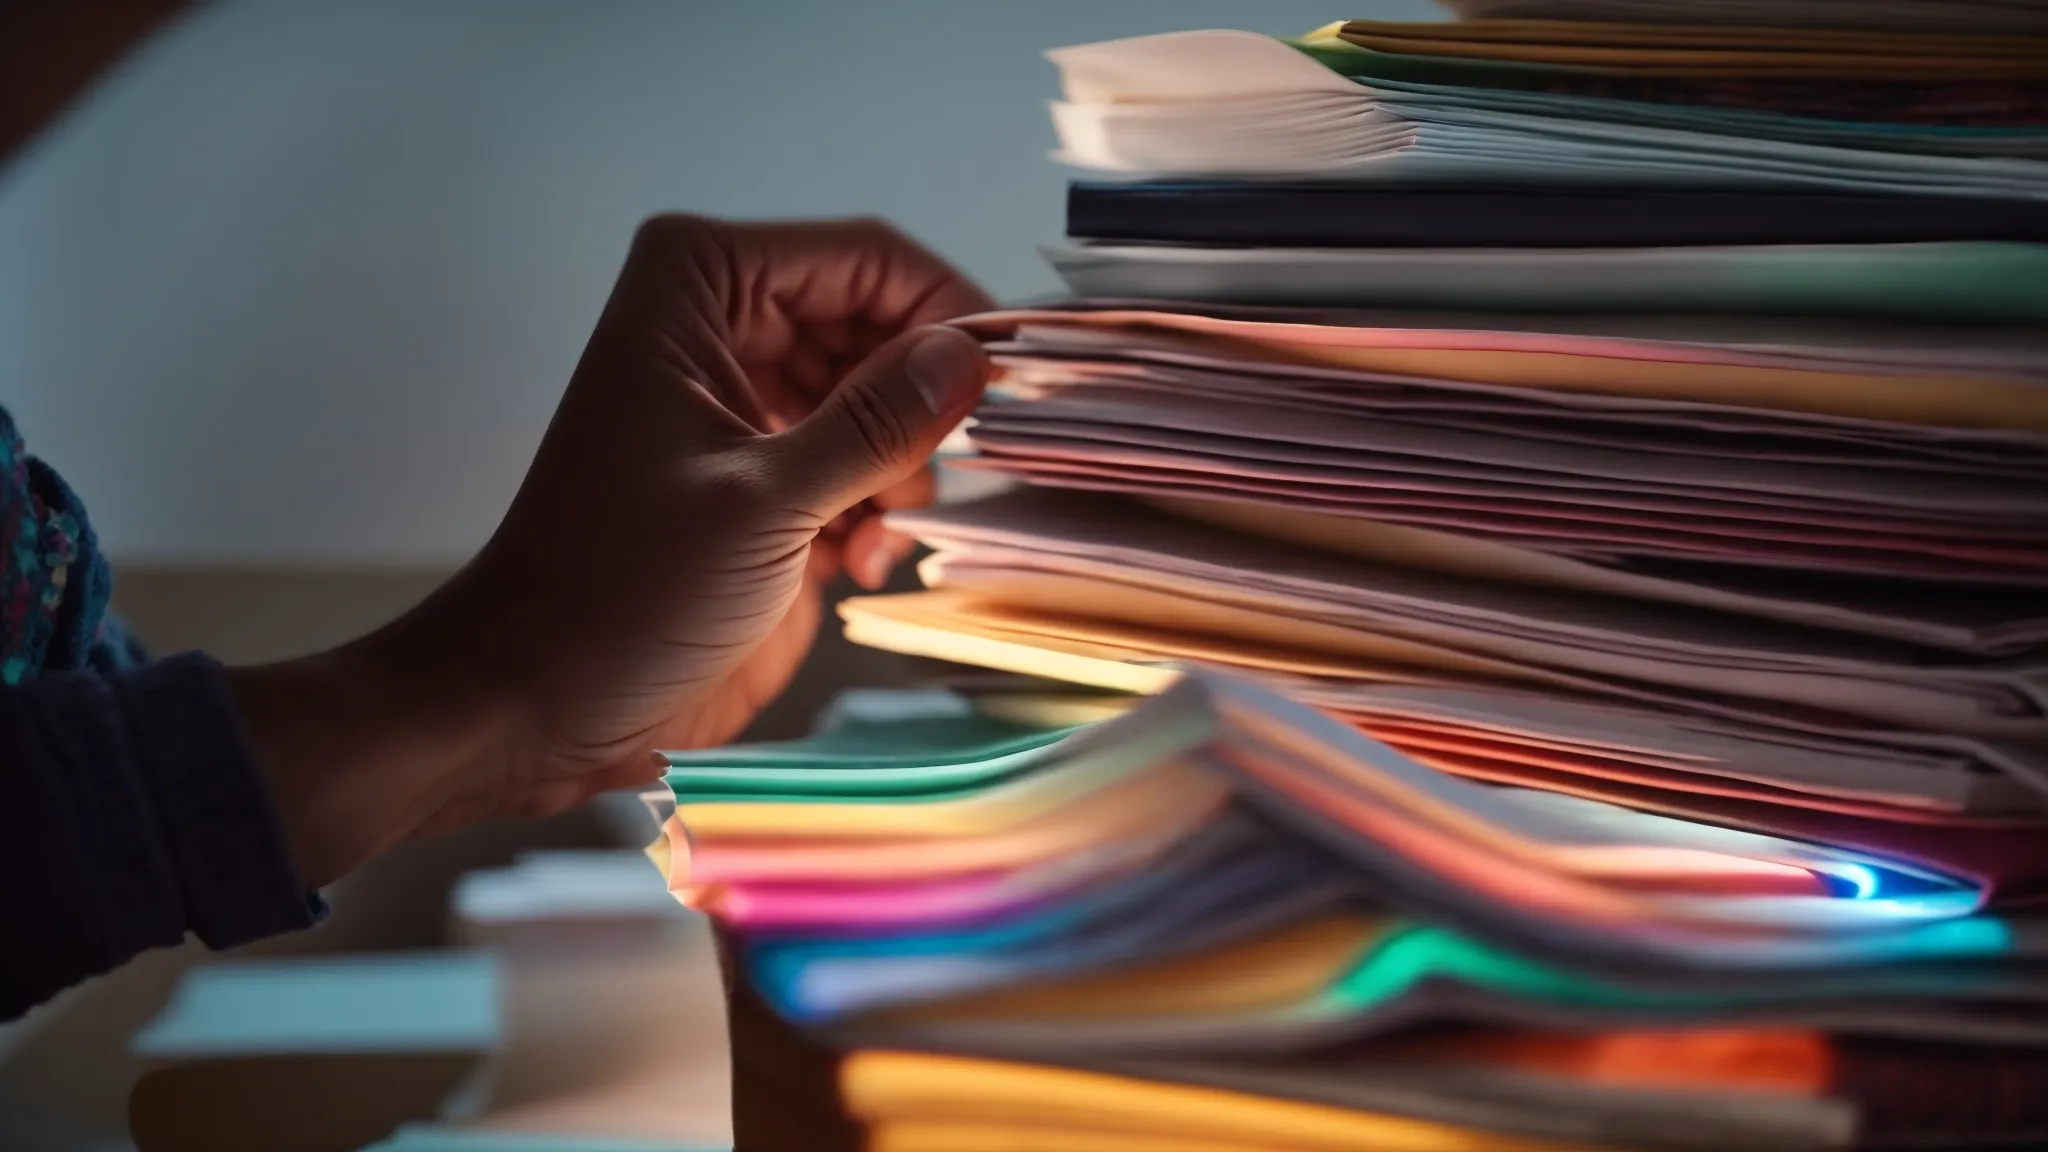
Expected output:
(131, 813)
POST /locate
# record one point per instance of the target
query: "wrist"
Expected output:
(363, 745)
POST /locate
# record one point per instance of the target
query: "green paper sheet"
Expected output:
(911, 757)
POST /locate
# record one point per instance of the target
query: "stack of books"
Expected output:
(1527, 601)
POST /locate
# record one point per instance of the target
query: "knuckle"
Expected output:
(880, 429)
(880, 226)
(665, 226)
(876, 232)
(668, 233)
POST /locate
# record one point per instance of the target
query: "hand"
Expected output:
(753, 396)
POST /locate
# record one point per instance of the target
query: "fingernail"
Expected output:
(947, 368)
(898, 550)
(888, 552)
(875, 568)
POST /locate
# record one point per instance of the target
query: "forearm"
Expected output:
(133, 813)
(361, 747)
(184, 797)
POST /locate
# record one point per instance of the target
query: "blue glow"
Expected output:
(1863, 877)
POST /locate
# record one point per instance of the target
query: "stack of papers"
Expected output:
(1841, 168)
(1520, 617)
(2026, 17)
(1226, 903)
(1360, 100)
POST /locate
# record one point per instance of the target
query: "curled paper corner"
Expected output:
(660, 803)
(662, 850)
(676, 853)
(1207, 64)
(670, 854)
(708, 899)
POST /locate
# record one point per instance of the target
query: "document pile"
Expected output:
(1563, 165)
(1525, 617)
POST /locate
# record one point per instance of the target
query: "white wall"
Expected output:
(301, 283)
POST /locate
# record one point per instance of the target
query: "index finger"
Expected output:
(862, 272)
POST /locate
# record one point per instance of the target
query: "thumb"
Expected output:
(882, 423)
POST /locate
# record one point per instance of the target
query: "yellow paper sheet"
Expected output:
(901, 1087)
(915, 626)
(949, 625)
(1142, 809)
(924, 1137)
(1178, 606)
